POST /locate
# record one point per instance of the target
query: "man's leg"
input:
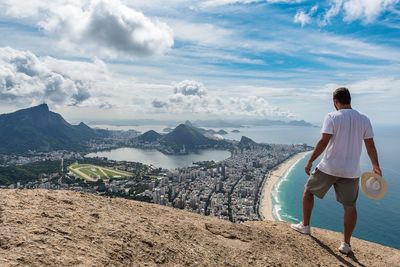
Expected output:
(308, 204)
(318, 184)
(350, 220)
(347, 193)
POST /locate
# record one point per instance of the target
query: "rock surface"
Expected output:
(63, 228)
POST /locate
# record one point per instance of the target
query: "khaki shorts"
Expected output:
(346, 189)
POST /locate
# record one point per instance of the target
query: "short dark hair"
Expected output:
(342, 95)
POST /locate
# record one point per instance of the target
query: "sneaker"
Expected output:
(301, 228)
(345, 248)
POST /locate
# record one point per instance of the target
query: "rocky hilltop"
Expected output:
(38, 128)
(63, 228)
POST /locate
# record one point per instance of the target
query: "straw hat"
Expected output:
(373, 185)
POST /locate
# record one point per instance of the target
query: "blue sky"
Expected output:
(102, 59)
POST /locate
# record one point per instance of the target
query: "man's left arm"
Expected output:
(321, 145)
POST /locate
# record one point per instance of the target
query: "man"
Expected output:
(342, 134)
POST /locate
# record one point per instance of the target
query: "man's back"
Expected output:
(342, 156)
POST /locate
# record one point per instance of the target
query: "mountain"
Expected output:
(190, 124)
(245, 142)
(206, 132)
(300, 123)
(66, 228)
(149, 137)
(222, 132)
(188, 137)
(37, 128)
(183, 139)
(200, 130)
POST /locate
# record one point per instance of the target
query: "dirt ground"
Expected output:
(64, 228)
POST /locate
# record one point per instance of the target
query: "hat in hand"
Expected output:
(373, 185)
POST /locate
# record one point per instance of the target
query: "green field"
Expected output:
(91, 172)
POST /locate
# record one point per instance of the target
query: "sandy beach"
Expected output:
(266, 207)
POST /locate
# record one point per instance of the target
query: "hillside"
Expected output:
(246, 142)
(190, 137)
(37, 128)
(149, 136)
(63, 228)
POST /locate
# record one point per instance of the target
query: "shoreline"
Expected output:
(266, 208)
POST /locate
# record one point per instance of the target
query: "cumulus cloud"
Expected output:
(156, 103)
(190, 88)
(27, 79)
(365, 10)
(193, 97)
(303, 17)
(382, 88)
(98, 27)
(106, 105)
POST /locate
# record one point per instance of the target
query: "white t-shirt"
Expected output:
(342, 155)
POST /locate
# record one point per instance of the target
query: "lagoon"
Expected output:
(158, 159)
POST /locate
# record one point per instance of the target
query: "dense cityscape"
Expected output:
(229, 189)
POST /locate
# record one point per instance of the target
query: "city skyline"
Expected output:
(276, 59)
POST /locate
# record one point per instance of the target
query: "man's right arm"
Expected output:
(373, 155)
(320, 147)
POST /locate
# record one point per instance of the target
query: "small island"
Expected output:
(222, 132)
(236, 131)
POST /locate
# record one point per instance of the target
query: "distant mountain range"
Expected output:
(39, 129)
(249, 122)
(267, 122)
(238, 123)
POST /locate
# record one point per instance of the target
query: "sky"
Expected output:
(96, 60)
